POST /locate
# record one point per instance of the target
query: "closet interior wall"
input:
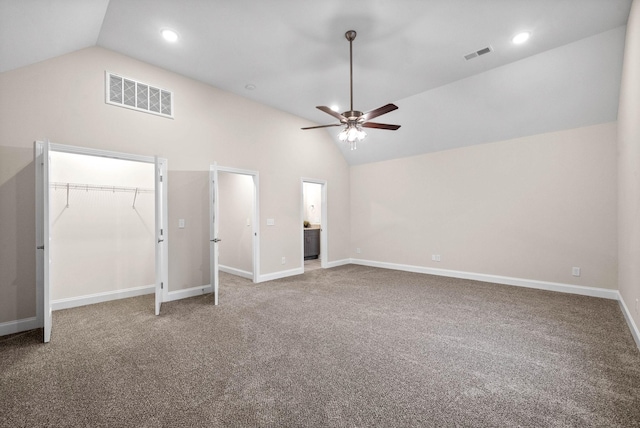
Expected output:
(235, 194)
(102, 225)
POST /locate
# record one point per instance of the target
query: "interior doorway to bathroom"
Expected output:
(314, 224)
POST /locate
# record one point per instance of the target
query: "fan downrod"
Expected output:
(354, 118)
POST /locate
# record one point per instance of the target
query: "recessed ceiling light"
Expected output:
(521, 38)
(335, 108)
(169, 35)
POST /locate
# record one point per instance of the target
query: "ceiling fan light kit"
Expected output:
(353, 120)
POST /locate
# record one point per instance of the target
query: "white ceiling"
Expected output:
(409, 52)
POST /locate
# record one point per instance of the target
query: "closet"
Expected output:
(101, 219)
(102, 227)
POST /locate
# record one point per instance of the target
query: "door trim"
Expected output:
(255, 221)
(324, 249)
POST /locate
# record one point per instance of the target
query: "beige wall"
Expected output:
(17, 233)
(62, 99)
(629, 168)
(529, 208)
(235, 210)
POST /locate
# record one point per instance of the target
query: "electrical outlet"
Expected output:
(358, 251)
(284, 260)
(575, 271)
(435, 257)
(181, 223)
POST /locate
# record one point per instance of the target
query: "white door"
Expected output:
(43, 239)
(213, 230)
(160, 194)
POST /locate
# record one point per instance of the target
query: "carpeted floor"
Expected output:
(346, 347)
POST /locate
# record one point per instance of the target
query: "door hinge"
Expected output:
(160, 179)
(162, 286)
(161, 232)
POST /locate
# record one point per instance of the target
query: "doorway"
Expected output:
(101, 218)
(233, 238)
(314, 224)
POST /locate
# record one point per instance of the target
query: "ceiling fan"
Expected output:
(353, 120)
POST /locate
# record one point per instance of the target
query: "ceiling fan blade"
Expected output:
(379, 111)
(380, 126)
(322, 126)
(332, 113)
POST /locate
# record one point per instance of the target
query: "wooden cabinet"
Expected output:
(311, 243)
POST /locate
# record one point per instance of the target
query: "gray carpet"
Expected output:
(346, 347)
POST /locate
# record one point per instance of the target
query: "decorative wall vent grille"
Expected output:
(129, 93)
(478, 53)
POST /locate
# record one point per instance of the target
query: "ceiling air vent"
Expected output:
(478, 53)
(124, 92)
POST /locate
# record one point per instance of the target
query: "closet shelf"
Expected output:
(99, 187)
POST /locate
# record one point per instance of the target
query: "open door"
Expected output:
(43, 238)
(213, 230)
(161, 218)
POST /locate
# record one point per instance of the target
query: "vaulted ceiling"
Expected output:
(293, 56)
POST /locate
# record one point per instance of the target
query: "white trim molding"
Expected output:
(497, 279)
(236, 272)
(18, 326)
(635, 332)
(90, 299)
(281, 274)
(337, 263)
(189, 292)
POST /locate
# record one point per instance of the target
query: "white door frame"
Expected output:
(324, 227)
(43, 288)
(255, 224)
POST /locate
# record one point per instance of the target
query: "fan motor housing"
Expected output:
(352, 114)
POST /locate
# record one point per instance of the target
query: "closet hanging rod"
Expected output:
(99, 187)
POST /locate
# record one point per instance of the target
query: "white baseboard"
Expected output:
(17, 326)
(337, 263)
(236, 272)
(188, 292)
(74, 302)
(281, 274)
(506, 280)
(627, 316)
